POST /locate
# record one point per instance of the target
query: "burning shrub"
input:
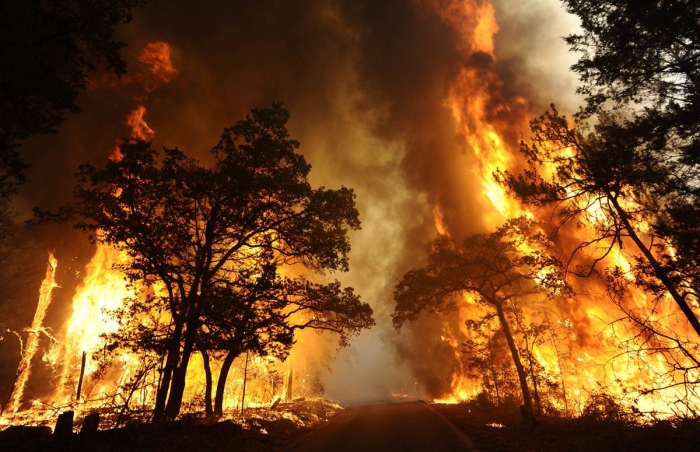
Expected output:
(604, 407)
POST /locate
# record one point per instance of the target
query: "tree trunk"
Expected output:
(245, 378)
(207, 390)
(166, 376)
(177, 388)
(528, 412)
(656, 266)
(535, 389)
(221, 383)
(492, 368)
(561, 375)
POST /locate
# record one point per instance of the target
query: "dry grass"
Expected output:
(502, 430)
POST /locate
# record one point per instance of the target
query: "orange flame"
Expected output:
(138, 125)
(157, 55)
(579, 357)
(32, 345)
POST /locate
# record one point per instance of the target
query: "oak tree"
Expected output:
(203, 232)
(502, 269)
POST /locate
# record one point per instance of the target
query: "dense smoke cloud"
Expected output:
(366, 83)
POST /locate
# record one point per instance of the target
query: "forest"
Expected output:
(318, 206)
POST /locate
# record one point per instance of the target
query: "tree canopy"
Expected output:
(598, 180)
(214, 237)
(502, 269)
(644, 51)
(633, 173)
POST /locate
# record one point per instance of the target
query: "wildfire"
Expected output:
(580, 356)
(138, 125)
(157, 56)
(576, 358)
(32, 344)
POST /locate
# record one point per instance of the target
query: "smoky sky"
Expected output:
(365, 82)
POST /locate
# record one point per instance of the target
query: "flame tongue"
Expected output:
(32, 344)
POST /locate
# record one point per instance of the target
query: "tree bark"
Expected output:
(166, 376)
(177, 388)
(658, 269)
(528, 414)
(221, 383)
(209, 386)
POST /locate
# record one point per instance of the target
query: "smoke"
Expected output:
(367, 84)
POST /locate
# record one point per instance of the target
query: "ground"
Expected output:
(387, 425)
(260, 430)
(502, 430)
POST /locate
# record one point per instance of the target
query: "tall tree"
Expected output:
(502, 269)
(195, 229)
(640, 51)
(48, 50)
(641, 59)
(598, 179)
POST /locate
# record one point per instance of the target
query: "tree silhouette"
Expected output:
(640, 51)
(204, 233)
(502, 268)
(641, 61)
(49, 49)
(594, 179)
(261, 312)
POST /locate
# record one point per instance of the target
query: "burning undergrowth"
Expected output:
(254, 429)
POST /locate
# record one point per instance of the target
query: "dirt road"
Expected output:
(391, 426)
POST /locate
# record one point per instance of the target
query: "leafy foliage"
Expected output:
(213, 238)
(502, 269)
(605, 180)
(642, 51)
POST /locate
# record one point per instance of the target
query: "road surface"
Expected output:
(396, 427)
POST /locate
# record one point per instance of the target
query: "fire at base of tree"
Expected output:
(254, 429)
(203, 279)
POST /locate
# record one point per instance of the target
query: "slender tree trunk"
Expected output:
(207, 390)
(492, 368)
(495, 387)
(221, 383)
(528, 414)
(561, 375)
(535, 390)
(177, 388)
(245, 378)
(656, 266)
(533, 375)
(166, 375)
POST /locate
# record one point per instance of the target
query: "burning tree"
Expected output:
(205, 242)
(632, 179)
(503, 269)
(260, 313)
(599, 180)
